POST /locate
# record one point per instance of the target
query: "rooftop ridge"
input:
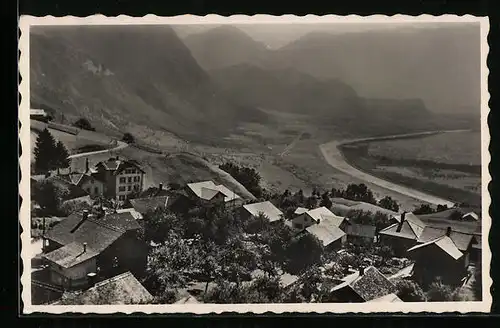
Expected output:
(106, 225)
(112, 279)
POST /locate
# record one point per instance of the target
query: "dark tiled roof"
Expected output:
(121, 289)
(361, 230)
(144, 205)
(369, 286)
(98, 233)
(461, 240)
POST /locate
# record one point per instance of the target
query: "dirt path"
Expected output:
(120, 145)
(336, 159)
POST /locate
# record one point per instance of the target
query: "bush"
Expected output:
(409, 291)
(128, 138)
(83, 124)
(389, 203)
(439, 292)
(423, 209)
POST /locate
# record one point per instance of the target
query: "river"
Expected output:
(334, 157)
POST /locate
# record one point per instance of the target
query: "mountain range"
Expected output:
(439, 65)
(124, 76)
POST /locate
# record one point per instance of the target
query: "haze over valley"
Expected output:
(262, 97)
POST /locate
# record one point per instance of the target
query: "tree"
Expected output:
(439, 292)
(441, 208)
(256, 224)
(423, 209)
(49, 197)
(210, 269)
(325, 200)
(477, 287)
(61, 154)
(158, 223)
(303, 252)
(409, 291)
(359, 192)
(248, 177)
(83, 123)
(45, 151)
(311, 202)
(268, 289)
(128, 138)
(389, 203)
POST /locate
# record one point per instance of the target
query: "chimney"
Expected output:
(448, 231)
(400, 224)
(160, 186)
(91, 277)
(361, 270)
(85, 214)
(86, 165)
(84, 247)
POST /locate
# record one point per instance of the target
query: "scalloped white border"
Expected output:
(24, 186)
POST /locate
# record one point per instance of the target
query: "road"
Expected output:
(120, 146)
(291, 144)
(336, 159)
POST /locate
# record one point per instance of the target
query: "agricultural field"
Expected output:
(449, 148)
(446, 165)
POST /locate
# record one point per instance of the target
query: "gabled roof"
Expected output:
(300, 210)
(116, 165)
(317, 213)
(361, 230)
(144, 205)
(369, 286)
(444, 243)
(121, 289)
(472, 215)
(207, 190)
(461, 240)
(266, 208)
(37, 112)
(411, 228)
(70, 255)
(326, 232)
(74, 191)
(132, 211)
(389, 298)
(98, 233)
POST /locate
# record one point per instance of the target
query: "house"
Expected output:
(402, 235)
(84, 244)
(39, 115)
(330, 235)
(208, 193)
(365, 285)
(121, 178)
(300, 211)
(361, 233)
(121, 289)
(86, 180)
(271, 212)
(439, 257)
(315, 216)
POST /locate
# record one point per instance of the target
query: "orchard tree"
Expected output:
(423, 209)
(325, 200)
(128, 138)
(389, 203)
(409, 291)
(83, 123)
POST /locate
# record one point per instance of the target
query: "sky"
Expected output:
(278, 35)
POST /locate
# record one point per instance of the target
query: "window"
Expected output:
(122, 180)
(136, 179)
(129, 179)
(129, 188)
(121, 197)
(136, 187)
(122, 188)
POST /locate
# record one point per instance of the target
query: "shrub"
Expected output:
(128, 138)
(84, 124)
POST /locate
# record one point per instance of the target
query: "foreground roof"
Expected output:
(369, 286)
(317, 213)
(266, 208)
(121, 289)
(461, 240)
(207, 190)
(411, 228)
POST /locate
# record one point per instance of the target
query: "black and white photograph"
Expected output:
(204, 164)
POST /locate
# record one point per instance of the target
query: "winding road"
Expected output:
(334, 157)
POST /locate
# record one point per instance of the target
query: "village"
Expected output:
(106, 239)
